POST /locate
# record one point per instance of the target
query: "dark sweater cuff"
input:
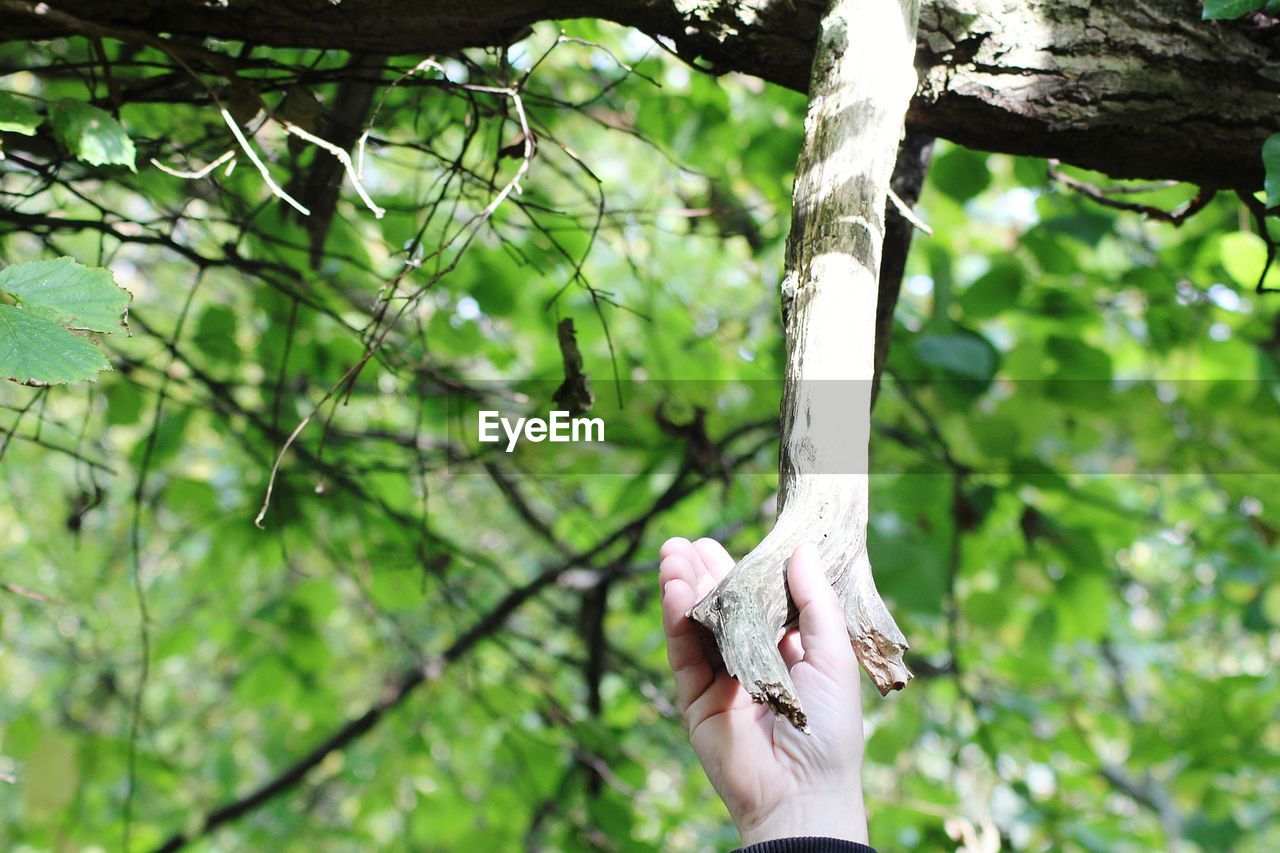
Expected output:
(807, 845)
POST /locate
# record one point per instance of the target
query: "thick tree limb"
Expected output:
(863, 79)
(1134, 88)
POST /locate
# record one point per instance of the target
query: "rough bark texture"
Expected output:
(862, 83)
(1135, 88)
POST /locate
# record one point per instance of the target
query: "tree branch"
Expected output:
(862, 82)
(914, 155)
(629, 535)
(1126, 87)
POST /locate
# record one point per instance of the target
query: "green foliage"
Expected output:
(1218, 10)
(91, 134)
(55, 299)
(1074, 512)
(18, 116)
(960, 173)
(38, 351)
(1271, 162)
(1244, 255)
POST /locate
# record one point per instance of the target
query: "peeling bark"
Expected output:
(1134, 88)
(863, 79)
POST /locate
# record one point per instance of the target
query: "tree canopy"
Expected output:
(428, 644)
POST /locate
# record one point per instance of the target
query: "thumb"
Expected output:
(823, 633)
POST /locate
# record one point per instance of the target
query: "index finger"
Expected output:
(689, 664)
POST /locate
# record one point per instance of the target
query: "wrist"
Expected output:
(840, 816)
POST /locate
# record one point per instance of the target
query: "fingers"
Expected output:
(688, 571)
(700, 579)
(823, 633)
(710, 561)
(790, 649)
(714, 557)
(674, 545)
(689, 664)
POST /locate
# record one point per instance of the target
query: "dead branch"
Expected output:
(862, 82)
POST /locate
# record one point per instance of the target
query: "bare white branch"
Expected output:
(909, 214)
(198, 173)
(342, 156)
(276, 189)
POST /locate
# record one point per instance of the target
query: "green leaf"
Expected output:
(994, 292)
(1220, 834)
(1082, 605)
(17, 116)
(36, 350)
(1219, 10)
(960, 173)
(215, 334)
(92, 135)
(1243, 256)
(1074, 359)
(80, 297)
(124, 403)
(37, 344)
(1271, 162)
(966, 355)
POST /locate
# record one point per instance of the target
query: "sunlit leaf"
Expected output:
(18, 116)
(1271, 162)
(92, 135)
(1217, 10)
(37, 344)
(40, 351)
(78, 296)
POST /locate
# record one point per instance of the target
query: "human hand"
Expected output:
(777, 782)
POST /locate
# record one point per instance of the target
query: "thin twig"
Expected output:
(23, 592)
(1259, 213)
(908, 214)
(1100, 195)
(276, 189)
(630, 69)
(17, 421)
(135, 551)
(631, 534)
(342, 157)
(512, 185)
(429, 62)
(198, 173)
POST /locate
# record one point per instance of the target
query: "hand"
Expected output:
(777, 782)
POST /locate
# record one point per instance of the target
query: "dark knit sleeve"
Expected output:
(807, 845)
